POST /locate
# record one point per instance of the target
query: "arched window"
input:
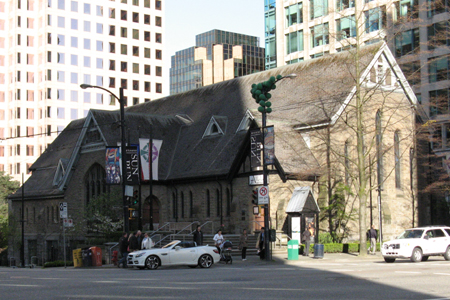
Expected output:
(95, 182)
(174, 205)
(217, 202)
(182, 204)
(347, 163)
(208, 204)
(379, 140)
(228, 202)
(191, 205)
(397, 159)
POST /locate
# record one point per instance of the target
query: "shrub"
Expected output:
(57, 263)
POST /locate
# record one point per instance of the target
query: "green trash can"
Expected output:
(292, 250)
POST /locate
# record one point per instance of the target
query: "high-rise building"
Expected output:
(49, 47)
(217, 56)
(417, 31)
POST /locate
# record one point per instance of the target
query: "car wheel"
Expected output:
(416, 255)
(205, 261)
(152, 262)
(447, 253)
(425, 258)
(389, 260)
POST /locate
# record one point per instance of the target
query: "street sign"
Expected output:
(255, 180)
(63, 210)
(263, 195)
(68, 222)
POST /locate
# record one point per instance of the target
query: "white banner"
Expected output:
(145, 162)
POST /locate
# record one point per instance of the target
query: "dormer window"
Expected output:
(245, 122)
(217, 126)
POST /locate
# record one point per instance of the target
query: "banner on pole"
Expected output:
(131, 165)
(145, 158)
(112, 165)
(269, 145)
(255, 147)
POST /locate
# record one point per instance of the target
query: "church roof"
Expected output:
(181, 121)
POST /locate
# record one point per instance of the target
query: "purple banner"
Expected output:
(112, 165)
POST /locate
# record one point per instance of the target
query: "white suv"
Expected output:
(418, 244)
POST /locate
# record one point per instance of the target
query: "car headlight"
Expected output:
(139, 254)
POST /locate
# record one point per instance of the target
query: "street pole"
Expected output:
(124, 165)
(150, 157)
(266, 206)
(260, 92)
(121, 100)
(22, 246)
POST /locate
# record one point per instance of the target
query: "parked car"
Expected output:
(175, 253)
(418, 244)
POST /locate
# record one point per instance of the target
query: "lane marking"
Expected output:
(119, 297)
(271, 289)
(447, 274)
(408, 272)
(166, 287)
(19, 285)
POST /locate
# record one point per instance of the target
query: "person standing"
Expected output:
(139, 239)
(218, 240)
(373, 240)
(133, 242)
(307, 239)
(260, 244)
(243, 244)
(123, 248)
(147, 242)
(198, 236)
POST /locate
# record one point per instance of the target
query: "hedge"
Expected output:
(58, 263)
(337, 248)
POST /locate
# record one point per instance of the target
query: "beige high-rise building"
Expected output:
(49, 47)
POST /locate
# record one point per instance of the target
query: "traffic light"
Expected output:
(255, 196)
(260, 92)
(135, 197)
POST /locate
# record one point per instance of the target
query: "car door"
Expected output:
(440, 240)
(180, 255)
(427, 242)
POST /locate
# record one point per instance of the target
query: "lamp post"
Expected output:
(122, 146)
(260, 92)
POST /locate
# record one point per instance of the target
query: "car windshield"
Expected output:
(170, 244)
(411, 234)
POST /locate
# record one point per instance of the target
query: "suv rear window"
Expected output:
(448, 231)
(438, 233)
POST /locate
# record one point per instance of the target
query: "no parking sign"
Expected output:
(263, 195)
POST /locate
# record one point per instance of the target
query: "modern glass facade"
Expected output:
(209, 61)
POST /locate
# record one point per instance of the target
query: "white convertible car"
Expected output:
(175, 253)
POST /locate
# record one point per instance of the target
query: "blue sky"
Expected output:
(187, 18)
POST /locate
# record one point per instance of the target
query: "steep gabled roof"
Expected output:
(181, 120)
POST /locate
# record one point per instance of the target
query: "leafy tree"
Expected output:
(7, 187)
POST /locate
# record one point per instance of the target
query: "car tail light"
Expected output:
(216, 251)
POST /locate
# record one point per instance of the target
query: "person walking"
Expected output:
(373, 240)
(307, 239)
(147, 242)
(243, 244)
(198, 236)
(123, 248)
(218, 240)
(260, 244)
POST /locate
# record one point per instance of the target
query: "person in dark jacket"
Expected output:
(123, 248)
(307, 239)
(134, 244)
(139, 239)
(198, 236)
(373, 240)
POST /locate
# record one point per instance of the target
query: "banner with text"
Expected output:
(255, 147)
(131, 165)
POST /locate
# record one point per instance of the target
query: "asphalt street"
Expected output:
(336, 276)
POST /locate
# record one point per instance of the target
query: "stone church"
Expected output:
(204, 170)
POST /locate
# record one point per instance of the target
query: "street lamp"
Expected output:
(260, 92)
(122, 146)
